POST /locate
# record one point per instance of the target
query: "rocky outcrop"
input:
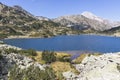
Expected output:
(70, 75)
(43, 18)
(6, 46)
(103, 67)
(10, 60)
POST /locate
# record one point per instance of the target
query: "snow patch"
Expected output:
(92, 16)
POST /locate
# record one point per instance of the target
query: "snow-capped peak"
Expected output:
(92, 16)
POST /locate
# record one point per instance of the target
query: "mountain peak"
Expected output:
(87, 13)
(18, 7)
(92, 16)
(23, 10)
(1, 6)
(1, 3)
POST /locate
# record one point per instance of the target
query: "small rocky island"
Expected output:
(16, 64)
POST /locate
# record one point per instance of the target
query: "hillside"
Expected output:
(113, 31)
(86, 20)
(15, 21)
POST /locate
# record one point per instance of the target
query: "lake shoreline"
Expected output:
(27, 37)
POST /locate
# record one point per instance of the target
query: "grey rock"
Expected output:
(86, 20)
(10, 60)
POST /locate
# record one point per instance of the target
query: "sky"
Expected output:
(109, 9)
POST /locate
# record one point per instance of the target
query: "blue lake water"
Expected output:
(70, 43)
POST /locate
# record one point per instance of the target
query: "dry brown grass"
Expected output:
(58, 55)
(79, 59)
(60, 67)
(61, 55)
(38, 58)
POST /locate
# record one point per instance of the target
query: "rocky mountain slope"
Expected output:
(113, 31)
(86, 20)
(15, 21)
(22, 10)
(43, 18)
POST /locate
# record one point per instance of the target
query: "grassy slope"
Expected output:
(38, 57)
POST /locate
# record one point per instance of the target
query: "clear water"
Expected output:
(70, 43)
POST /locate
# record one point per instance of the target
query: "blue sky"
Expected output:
(109, 9)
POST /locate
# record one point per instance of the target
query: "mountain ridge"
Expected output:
(78, 19)
(16, 21)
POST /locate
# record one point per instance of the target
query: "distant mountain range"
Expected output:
(15, 21)
(86, 20)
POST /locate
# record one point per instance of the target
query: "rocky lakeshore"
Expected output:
(101, 67)
(104, 67)
(7, 61)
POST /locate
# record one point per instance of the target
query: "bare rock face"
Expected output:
(43, 18)
(92, 16)
(103, 67)
(1, 6)
(86, 19)
(10, 60)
